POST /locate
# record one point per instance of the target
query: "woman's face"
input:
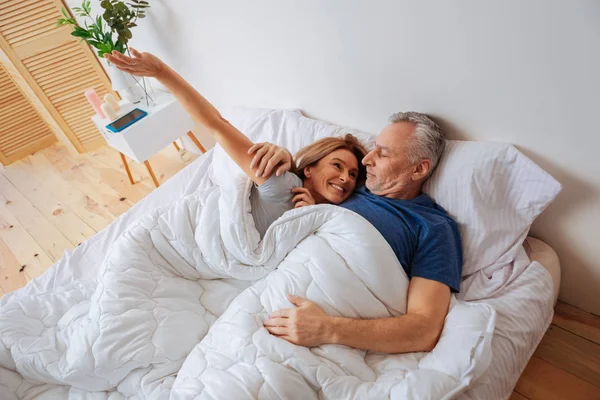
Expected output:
(333, 178)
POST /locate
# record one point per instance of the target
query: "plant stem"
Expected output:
(90, 17)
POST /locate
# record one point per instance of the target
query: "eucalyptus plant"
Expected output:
(117, 20)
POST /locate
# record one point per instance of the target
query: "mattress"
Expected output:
(522, 292)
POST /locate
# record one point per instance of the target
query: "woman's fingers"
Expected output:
(299, 189)
(303, 198)
(118, 63)
(135, 53)
(299, 197)
(123, 58)
(124, 68)
(112, 59)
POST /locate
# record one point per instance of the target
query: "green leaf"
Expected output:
(80, 32)
(64, 12)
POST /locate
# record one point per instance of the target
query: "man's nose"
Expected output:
(367, 159)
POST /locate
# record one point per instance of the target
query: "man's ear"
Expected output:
(307, 172)
(421, 169)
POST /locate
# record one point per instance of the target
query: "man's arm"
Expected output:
(418, 330)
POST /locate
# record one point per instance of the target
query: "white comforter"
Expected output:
(145, 327)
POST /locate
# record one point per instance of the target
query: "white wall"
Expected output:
(525, 72)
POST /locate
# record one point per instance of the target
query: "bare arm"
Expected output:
(418, 330)
(235, 143)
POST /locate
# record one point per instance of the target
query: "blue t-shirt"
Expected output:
(424, 237)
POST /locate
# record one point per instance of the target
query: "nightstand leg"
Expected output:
(196, 142)
(127, 168)
(176, 146)
(149, 168)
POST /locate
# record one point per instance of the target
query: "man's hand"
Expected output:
(267, 156)
(306, 325)
(417, 330)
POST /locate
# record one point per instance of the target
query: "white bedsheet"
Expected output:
(520, 292)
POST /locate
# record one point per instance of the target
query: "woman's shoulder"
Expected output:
(277, 186)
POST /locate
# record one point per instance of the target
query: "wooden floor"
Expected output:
(54, 200)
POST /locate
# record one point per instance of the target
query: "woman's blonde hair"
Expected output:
(313, 153)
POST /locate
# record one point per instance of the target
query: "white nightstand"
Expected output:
(165, 122)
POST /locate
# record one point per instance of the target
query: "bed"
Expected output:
(522, 288)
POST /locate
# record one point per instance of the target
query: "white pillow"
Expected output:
(492, 190)
(494, 193)
(286, 128)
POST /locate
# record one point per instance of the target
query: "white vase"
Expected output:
(126, 85)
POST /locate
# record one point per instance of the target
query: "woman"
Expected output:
(327, 170)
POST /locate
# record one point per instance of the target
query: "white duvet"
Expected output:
(176, 311)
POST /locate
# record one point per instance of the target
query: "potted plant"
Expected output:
(111, 31)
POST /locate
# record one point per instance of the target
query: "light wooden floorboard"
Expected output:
(119, 182)
(53, 200)
(66, 221)
(50, 239)
(82, 175)
(21, 243)
(11, 278)
(81, 204)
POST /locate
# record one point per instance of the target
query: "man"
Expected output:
(424, 238)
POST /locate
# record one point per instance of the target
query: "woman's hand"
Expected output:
(302, 197)
(143, 64)
(267, 156)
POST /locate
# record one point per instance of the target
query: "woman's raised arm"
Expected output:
(234, 142)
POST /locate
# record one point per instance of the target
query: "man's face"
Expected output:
(388, 169)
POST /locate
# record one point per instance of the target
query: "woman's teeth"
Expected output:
(338, 188)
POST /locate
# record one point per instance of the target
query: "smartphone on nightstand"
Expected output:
(126, 120)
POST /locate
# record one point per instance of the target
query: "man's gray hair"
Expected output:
(427, 141)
